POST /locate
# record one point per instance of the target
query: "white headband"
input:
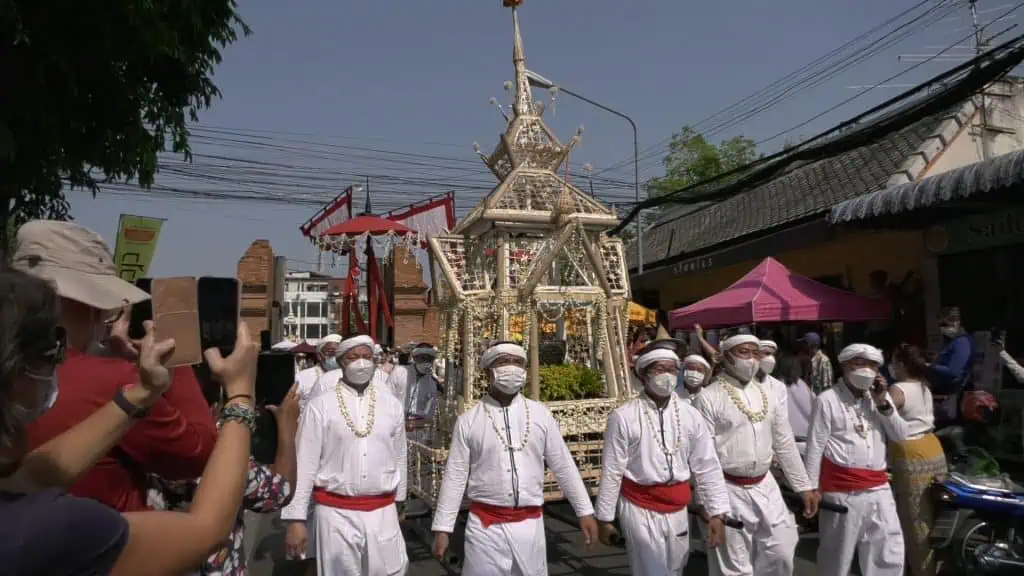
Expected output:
(734, 341)
(697, 359)
(656, 355)
(329, 339)
(498, 350)
(864, 351)
(769, 345)
(355, 342)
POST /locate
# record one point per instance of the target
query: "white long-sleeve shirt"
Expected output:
(834, 434)
(305, 382)
(480, 465)
(746, 448)
(632, 450)
(331, 456)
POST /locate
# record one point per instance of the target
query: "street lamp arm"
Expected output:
(598, 105)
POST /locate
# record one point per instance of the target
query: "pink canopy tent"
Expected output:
(772, 293)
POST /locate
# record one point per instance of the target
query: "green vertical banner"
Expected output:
(136, 242)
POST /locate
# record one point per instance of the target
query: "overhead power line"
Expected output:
(970, 77)
(813, 73)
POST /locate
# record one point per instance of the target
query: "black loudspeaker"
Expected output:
(265, 342)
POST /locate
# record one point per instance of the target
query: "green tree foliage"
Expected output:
(692, 158)
(93, 91)
(569, 382)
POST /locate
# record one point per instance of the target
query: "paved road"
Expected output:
(566, 553)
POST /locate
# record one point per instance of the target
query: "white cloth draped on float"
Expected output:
(851, 433)
(657, 543)
(481, 467)
(334, 458)
(747, 442)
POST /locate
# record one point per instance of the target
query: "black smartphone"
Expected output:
(142, 311)
(217, 300)
(275, 375)
(264, 441)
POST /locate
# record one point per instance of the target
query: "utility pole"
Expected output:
(979, 47)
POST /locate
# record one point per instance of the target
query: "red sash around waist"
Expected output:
(358, 503)
(491, 514)
(663, 498)
(836, 478)
(744, 480)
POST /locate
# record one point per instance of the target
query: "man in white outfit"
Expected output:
(750, 425)
(499, 449)
(415, 386)
(352, 463)
(305, 380)
(692, 377)
(846, 461)
(654, 447)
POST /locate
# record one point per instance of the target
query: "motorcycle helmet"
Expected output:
(979, 407)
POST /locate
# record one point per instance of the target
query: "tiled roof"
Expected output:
(802, 191)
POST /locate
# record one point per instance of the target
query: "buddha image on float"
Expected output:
(531, 263)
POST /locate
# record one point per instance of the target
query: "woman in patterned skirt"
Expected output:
(917, 461)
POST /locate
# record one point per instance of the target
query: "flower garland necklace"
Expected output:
(741, 404)
(503, 434)
(371, 417)
(657, 437)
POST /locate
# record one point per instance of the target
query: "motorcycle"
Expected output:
(979, 518)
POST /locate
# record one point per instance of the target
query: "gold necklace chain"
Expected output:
(502, 434)
(371, 417)
(857, 410)
(678, 425)
(741, 404)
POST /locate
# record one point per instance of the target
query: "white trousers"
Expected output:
(871, 529)
(656, 544)
(353, 543)
(766, 544)
(509, 549)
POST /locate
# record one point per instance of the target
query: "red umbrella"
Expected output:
(304, 348)
(368, 224)
(350, 230)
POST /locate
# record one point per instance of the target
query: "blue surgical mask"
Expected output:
(48, 389)
(330, 364)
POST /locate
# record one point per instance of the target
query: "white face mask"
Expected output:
(861, 378)
(768, 364)
(509, 379)
(48, 389)
(661, 385)
(950, 331)
(424, 367)
(693, 378)
(743, 369)
(359, 372)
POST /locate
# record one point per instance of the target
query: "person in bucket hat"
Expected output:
(174, 438)
(77, 261)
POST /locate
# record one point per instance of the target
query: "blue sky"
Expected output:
(324, 92)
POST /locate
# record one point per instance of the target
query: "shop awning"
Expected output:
(995, 175)
(640, 315)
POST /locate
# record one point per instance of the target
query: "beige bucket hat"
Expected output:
(76, 260)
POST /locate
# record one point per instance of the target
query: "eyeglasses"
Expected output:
(54, 355)
(655, 370)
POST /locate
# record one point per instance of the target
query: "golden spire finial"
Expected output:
(523, 103)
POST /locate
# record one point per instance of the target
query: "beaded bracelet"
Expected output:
(241, 413)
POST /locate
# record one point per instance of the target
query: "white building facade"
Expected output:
(310, 306)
